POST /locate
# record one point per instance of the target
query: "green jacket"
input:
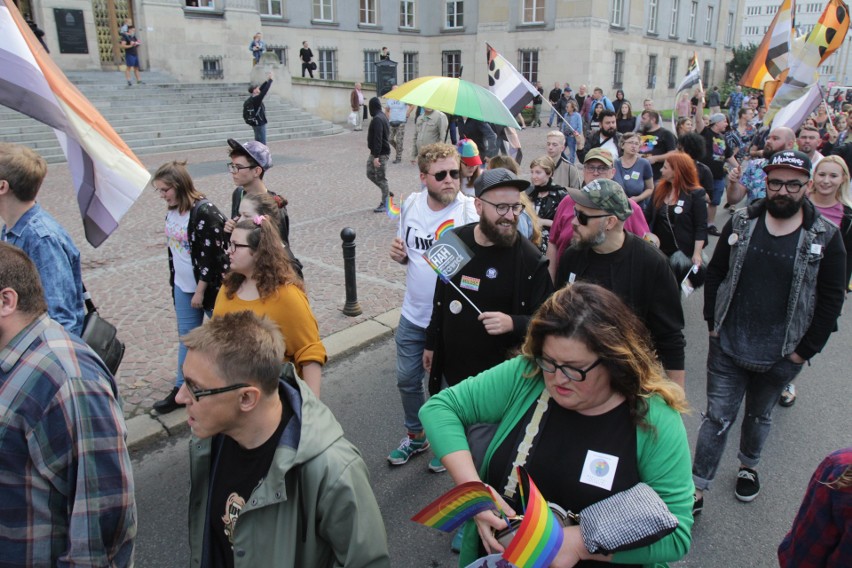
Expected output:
(314, 508)
(502, 395)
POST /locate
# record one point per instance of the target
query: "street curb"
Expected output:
(146, 429)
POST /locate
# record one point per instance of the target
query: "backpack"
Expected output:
(250, 112)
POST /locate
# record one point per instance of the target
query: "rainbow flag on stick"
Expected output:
(450, 510)
(393, 208)
(539, 538)
(106, 174)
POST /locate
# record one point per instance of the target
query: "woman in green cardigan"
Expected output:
(587, 410)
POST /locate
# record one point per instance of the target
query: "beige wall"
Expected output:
(44, 15)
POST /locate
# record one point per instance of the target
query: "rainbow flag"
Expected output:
(107, 176)
(450, 510)
(539, 537)
(393, 208)
(443, 228)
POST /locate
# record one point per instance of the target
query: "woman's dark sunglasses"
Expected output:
(439, 176)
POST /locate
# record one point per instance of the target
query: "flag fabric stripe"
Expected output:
(772, 55)
(795, 113)
(693, 75)
(107, 176)
(507, 83)
(450, 510)
(539, 537)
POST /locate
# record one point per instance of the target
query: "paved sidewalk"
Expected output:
(325, 182)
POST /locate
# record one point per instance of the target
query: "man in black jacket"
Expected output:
(258, 109)
(378, 140)
(603, 253)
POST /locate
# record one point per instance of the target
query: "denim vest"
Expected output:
(802, 299)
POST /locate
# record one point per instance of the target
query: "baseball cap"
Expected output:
(603, 194)
(791, 160)
(498, 177)
(599, 154)
(259, 152)
(717, 117)
(469, 152)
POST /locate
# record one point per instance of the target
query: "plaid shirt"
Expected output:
(821, 536)
(65, 474)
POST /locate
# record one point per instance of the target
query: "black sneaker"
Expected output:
(713, 231)
(697, 505)
(168, 404)
(748, 485)
(380, 209)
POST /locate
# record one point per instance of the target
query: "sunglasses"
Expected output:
(199, 394)
(440, 176)
(583, 218)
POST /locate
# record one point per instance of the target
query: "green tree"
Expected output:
(736, 67)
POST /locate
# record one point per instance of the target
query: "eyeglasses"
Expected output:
(793, 186)
(596, 169)
(199, 394)
(234, 168)
(583, 218)
(503, 208)
(232, 246)
(572, 373)
(439, 176)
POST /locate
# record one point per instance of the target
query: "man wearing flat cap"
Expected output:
(506, 279)
(602, 252)
(763, 329)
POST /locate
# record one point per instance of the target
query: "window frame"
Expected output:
(673, 23)
(673, 72)
(616, 14)
(321, 17)
(404, 6)
(693, 16)
(268, 4)
(708, 25)
(410, 59)
(327, 57)
(653, 16)
(370, 73)
(618, 69)
(451, 69)
(457, 15)
(536, 7)
(366, 8)
(652, 71)
(528, 68)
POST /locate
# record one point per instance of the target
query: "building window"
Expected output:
(269, 8)
(455, 14)
(211, 67)
(729, 32)
(705, 79)
(201, 4)
(327, 64)
(618, 70)
(616, 13)
(368, 13)
(708, 27)
(652, 16)
(528, 64)
(323, 10)
(652, 71)
(672, 72)
(693, 15)
(406, 14)
(451, 63)
(370, 58)
(533, 12)
(673, 25)
(280, 52)
(410, 66)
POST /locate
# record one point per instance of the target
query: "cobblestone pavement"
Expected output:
(323, 179)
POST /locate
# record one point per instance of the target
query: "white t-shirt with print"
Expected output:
(177, 237)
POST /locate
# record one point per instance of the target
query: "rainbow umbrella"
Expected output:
(455, 96)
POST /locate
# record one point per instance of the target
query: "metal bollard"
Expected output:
(351, 308)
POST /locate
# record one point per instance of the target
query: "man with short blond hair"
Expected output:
(565, 173)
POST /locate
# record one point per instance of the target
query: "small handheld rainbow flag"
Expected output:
(393, 208)
(443, 228)
(539, 537)
(450, 510)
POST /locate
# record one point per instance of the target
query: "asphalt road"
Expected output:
(361, 391)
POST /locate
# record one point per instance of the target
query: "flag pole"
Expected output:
(463, 295)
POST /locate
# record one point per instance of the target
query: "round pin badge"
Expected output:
(678, 210)
(491, 273)
(455, 307)
(732, 240)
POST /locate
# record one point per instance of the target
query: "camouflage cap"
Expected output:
(603, 194)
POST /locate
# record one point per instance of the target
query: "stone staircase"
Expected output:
(162, 115)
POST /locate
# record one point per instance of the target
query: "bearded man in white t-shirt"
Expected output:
(422, 214)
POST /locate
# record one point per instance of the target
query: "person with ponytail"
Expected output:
(263, 280)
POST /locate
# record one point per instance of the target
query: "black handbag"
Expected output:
(101, 336)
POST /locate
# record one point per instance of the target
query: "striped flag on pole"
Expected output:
(795, 113)
(771, 58)
(507, 83)
(693, 75)
(107, 176)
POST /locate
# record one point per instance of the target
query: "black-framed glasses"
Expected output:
(503, 208)
(440, 176)
(232, 246)
(199, 394)
(583, 218)
(234, 168)
(793, 186)
(572, 373)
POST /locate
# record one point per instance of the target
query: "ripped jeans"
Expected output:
(727, 385)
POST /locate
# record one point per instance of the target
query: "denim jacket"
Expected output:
(818, 289)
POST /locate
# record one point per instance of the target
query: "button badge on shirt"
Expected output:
(455, 307)
(599, 469)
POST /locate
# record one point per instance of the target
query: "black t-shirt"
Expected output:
(580, 100)
(237, 473)
(705, 177)
(716, 152)
(657, 143)
(131, 39)
(567, 449)
(306, 54)
(753, 330)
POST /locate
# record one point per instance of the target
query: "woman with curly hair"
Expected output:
(263, 280)
(586, 391)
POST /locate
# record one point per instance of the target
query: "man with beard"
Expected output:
(422, 213)
(751, 180)
(762, 330)
(657, 142)
(607, 137)
(808, 141)
(506, 279)
(718, 154)
(603, 253)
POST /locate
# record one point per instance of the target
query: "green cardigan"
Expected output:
(503, 395)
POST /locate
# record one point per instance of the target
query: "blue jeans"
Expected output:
(410, 341)
(188, 318)
(727, 384)
(260, 133)
(553, 116)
